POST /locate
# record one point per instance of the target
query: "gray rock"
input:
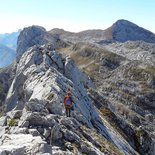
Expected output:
(17, 130)
(149, 117)
(40, 130)
(70, 136)
(24, 40)
(45, 148)
(16, 114)
(39, 35)
(3, 121)
(24, 144)
(35, 105)
(47, 133)
(56, 134)
(50, 120)
(71, 123)
(88, 150)
(34, 132)
(23, 124)
(15, 96)
(2, 132)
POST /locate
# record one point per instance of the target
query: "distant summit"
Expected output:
(10, 39)
(8, 45)
(7, 55)
(121, 31)
(124, 30)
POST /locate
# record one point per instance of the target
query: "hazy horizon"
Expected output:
(74, 16)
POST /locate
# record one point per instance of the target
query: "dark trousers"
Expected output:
(68, 112)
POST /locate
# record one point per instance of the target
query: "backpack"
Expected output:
(68, 101)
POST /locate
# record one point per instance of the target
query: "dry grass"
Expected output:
(139, 74)
(87, 64)
(113, 121)
(106, 147)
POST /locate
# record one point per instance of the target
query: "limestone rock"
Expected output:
(3, 121)
(42, 79)
(39, 36)
(23, 144)
(124, 30)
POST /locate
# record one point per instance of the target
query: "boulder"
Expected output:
(23, 144)
(3, 121)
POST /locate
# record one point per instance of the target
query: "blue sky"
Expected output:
(75, 15)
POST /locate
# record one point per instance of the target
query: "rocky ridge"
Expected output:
(35, 110)
(121, 121)
(31, 117)
(120, 31)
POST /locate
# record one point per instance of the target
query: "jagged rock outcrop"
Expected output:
(134, 50)
(36, 35)
(35, 108)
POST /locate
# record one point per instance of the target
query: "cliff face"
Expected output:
(36, 35)
(6, 77)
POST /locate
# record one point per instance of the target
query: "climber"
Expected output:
(68, 103)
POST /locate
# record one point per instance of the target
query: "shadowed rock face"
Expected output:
(124, 30)
(6, 77)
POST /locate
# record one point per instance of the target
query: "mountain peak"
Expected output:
(124, 22)
(123, 30)
(36, 27)
(28, 37)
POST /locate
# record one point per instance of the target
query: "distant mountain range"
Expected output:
(7, 55)
(8, 45)
(121, 31)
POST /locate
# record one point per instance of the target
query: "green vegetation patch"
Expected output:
(12, 122)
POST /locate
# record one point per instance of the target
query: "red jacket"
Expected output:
(65, 99)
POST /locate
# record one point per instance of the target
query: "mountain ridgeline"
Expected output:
(120, 31)
(111, 75)
(8, 45)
